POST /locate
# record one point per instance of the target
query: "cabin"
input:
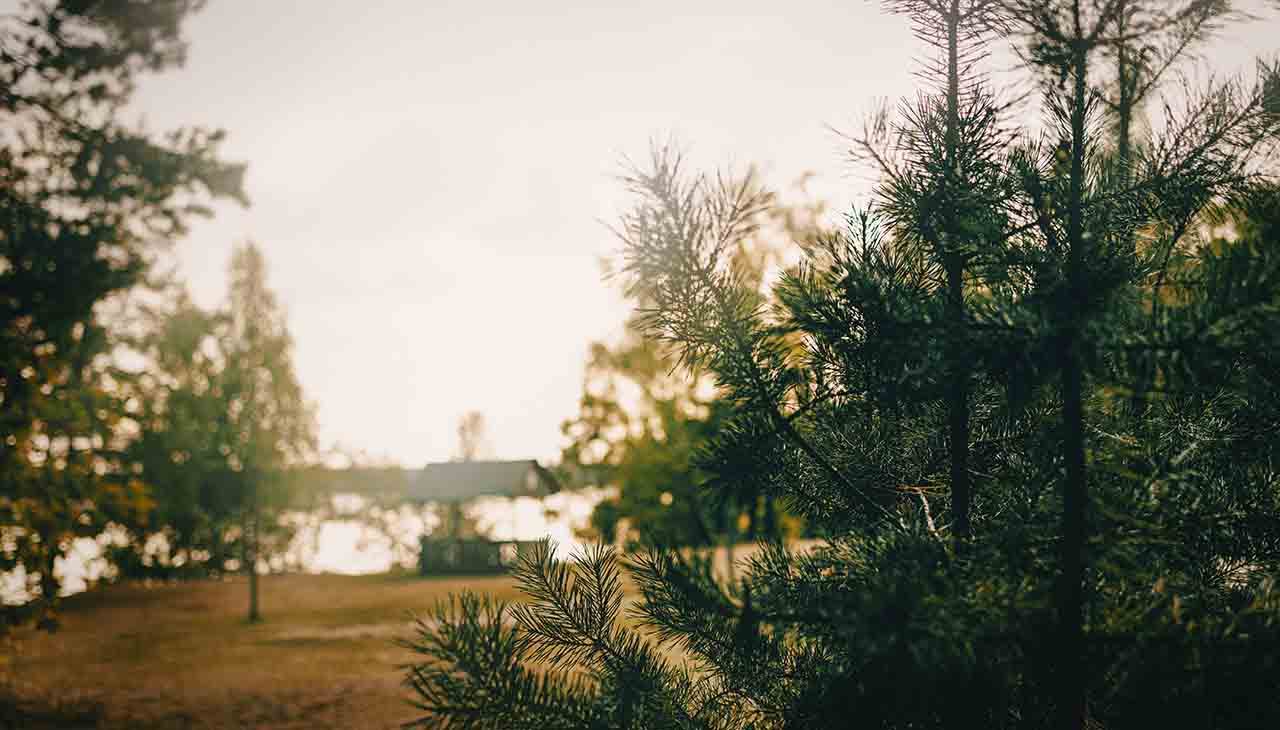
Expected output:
(454, 484)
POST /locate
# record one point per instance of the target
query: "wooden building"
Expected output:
(455, 484)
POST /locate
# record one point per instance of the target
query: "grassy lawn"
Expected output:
(182, 656)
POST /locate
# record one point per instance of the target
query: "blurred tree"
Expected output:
(639, 428)
(270, 423)
(220, 417)
(183, 443)
(84, 200)
(472, 443)
(643, 419)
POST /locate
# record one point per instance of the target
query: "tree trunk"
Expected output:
(1072, 705)
(48, 581)
(1127, 76)
(957, 398)
(1074, 502)
(958, 414)
(730, 542)
(958, 395)
(770, 517)
(251, 560)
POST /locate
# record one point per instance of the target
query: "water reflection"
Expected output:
(353, 547)
(355, 538)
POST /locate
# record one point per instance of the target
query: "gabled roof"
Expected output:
(462, 481)
(370, 481)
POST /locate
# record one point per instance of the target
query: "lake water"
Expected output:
(353, 547)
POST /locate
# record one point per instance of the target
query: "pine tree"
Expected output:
(1107, 349)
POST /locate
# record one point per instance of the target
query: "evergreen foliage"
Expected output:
(1032, 408)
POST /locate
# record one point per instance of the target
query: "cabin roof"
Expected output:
(462, 481)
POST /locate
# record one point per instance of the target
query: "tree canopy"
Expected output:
(221, 416)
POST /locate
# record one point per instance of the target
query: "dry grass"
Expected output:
(182, 656)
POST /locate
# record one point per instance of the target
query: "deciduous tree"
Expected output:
(271, 424)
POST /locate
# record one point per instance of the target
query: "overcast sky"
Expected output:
(430, 179)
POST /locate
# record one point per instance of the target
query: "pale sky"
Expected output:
(430, 179)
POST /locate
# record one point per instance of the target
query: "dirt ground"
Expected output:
(182, 656)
